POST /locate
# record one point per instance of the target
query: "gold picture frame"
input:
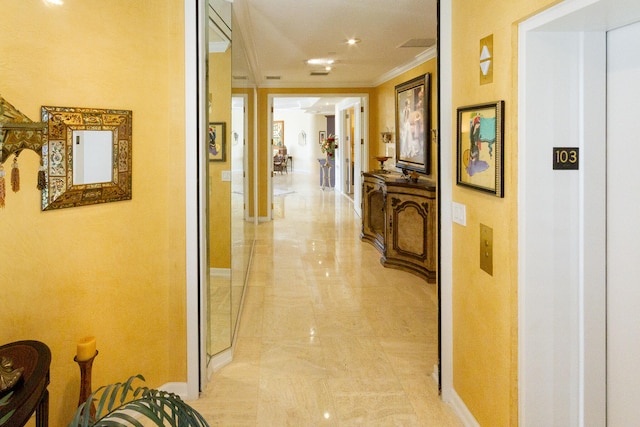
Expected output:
(413, 124)
(217, 147)
(278, 133)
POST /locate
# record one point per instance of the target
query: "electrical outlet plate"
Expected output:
(486, 249)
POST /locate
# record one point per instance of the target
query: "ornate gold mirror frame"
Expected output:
(57, 155)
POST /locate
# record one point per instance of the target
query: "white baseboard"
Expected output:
(219, 360)
(462, 411)
(220, 272)
(176, 388)
(216, 362)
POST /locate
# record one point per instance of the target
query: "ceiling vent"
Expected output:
(240, 77)
(418, 43)
(273, 77)
(319, 73)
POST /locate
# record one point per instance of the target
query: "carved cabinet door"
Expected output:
(373, 209)
(411, 232)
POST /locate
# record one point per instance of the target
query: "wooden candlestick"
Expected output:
(85, 381)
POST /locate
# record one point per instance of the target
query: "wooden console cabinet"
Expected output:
(399, 219)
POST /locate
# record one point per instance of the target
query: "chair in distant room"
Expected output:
(280, 163)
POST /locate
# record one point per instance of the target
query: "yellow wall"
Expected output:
(386, 112)
(116, 270)
(220, 191)
(485, 317)
(264, 138)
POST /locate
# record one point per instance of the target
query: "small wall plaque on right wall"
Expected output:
(486, 60)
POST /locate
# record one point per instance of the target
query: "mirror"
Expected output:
(219, 188)
(86, 155)
(242, 224)
(92, 154)
(231, 226)
(244, 219)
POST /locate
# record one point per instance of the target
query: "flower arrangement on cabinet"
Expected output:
(329, 145)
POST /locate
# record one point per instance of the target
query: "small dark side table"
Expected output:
(31, 393)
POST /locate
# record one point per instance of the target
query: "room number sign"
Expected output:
(566, 158)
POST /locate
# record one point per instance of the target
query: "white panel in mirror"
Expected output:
(92, 156)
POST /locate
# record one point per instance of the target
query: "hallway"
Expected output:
(327, 336)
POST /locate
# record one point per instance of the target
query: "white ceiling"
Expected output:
(272, 39)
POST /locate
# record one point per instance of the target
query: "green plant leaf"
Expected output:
(6, 417)
(5, 399)
(112, 420)
(119, 402)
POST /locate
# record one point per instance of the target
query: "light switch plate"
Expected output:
(486, 249)
(226, 175)
(459, 213)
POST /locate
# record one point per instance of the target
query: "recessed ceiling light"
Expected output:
(351, 42)
(327, 68)
(319, 61)
(54, 2)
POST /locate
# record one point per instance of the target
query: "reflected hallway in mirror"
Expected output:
(219, 193)
(231, 228)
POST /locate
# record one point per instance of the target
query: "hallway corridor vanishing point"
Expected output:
(328, 336)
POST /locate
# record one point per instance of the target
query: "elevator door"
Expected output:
(623, 227)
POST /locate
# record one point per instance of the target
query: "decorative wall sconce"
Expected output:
(387, 137)
(17, 132)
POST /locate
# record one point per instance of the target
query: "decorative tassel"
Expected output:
(15, 176)
(42, 178)
(2, 190)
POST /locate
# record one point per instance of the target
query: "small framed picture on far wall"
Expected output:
(278, 133)
(217, 146)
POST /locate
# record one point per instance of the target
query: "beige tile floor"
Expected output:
(328, 336)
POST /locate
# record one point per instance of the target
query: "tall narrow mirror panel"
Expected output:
(231, 228)
(219, 180)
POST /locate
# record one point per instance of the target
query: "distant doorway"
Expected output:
(304, 122)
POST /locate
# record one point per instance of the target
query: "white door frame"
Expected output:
(361, 152)
(561, 214)
(360, 117)
(245, 152)
(195, 191)
(346, 117)
(445, 190)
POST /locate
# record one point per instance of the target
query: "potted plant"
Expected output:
(120, 404)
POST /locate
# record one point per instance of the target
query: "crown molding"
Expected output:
(419, 59)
